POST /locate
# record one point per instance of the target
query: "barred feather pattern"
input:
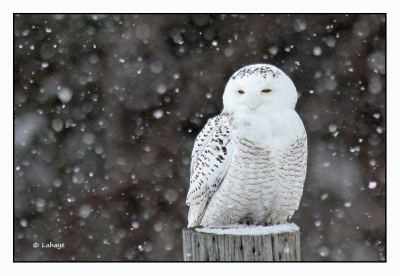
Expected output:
(234, 180)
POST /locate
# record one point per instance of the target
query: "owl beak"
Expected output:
(253, 103)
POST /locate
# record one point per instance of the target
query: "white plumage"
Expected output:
(249, 163)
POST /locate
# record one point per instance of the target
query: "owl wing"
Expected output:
(291, 164)
(204, 137)
(211, 158)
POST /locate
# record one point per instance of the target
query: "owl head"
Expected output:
(259, 87)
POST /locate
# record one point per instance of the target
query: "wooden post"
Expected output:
(242, 243)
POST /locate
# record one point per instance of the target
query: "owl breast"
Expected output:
(250, 191)
(247, 193)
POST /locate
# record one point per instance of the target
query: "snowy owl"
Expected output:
(249, 163)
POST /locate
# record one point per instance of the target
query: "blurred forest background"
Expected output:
(107, 107)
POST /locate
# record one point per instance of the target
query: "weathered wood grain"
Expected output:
(199, 246)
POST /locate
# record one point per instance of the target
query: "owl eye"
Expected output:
(241, 91)
(266, 90)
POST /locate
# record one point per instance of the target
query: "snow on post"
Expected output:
(242, 243)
